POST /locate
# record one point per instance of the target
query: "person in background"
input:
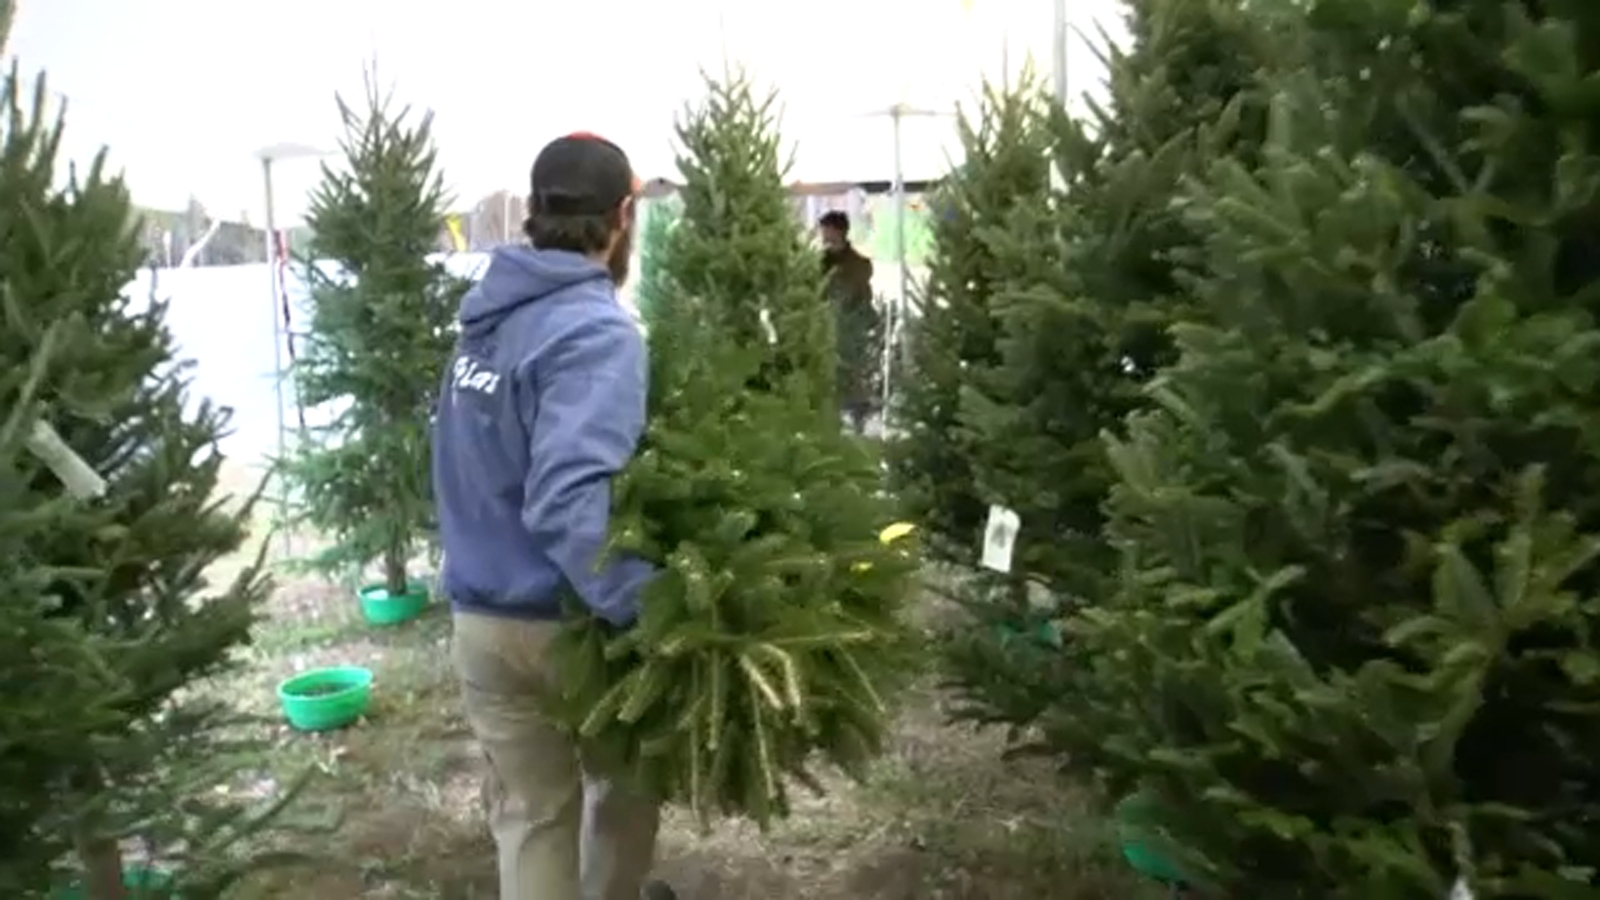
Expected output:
(858, 323)
(542, 404)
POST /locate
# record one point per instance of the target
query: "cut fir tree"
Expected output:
(382, 320)
(956, 333)
(658, 216)
(111, 593)
(1082, 283)
(773, 634)
(944, 475)
(60, 686)
(1353, 653)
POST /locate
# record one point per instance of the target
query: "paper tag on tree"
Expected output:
(1461, 891)
(768, 327)
(1000, 538)
(80, 481)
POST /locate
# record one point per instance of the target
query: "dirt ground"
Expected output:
(393, 804)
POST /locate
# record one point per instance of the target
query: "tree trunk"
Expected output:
(394, 571)
(102, 866)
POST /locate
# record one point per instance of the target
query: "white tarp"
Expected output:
(222, 319)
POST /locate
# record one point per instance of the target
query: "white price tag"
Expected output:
(80, 481)
(1000, 538)
(1461, 891)
(767, 326)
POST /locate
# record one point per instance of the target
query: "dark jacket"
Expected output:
(858, 326)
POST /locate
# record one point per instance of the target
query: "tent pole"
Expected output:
(897, 112)
(897, 311)
(278, 337)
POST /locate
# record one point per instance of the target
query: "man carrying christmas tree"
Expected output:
(542, 405)
(849, 287)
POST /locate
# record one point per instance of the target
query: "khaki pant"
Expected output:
(562, 831)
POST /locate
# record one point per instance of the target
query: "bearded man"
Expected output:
(543, 403)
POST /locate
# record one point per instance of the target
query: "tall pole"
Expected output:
(898, 310)
(896, 114)
(277, 348)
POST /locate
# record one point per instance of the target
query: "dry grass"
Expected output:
(942, 817)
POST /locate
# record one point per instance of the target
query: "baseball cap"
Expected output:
(581, 174)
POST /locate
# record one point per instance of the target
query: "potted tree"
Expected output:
(383, 308)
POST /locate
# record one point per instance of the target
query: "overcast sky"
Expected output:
(186, 91)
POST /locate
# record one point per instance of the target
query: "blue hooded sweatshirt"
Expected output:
(543, 403)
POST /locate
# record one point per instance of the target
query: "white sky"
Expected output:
(186, 91)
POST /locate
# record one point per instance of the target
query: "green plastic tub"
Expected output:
(379, 607)
(323, 699)
(1045, 634)
(140, 882)
(1138, 818)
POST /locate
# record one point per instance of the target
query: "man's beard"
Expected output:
(621, 256)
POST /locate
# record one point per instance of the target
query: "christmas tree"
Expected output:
(1084, 281)
(937, 464)
(59, 688)
(761, 280)
(1352, 654)
(1006, 163)
(382, 323)
(659, 216)
(108, 735)
(773, 634)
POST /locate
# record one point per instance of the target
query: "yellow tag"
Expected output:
(895, 532)
(888, 535)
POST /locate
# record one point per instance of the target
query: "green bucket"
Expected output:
(1045, 634)
(323, 699)
(140, 883)
(1138, 817)
(379, 607)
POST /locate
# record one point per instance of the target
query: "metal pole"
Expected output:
(277, 350)
(897, 312)
(896, 113)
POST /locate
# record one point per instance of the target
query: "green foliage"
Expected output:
(737, 248)
(1353, 653)
(773, 634)
(382, 324)
(57, 684)
(1085, 279)
(110, 620)
(659, 217)
(955, 330)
